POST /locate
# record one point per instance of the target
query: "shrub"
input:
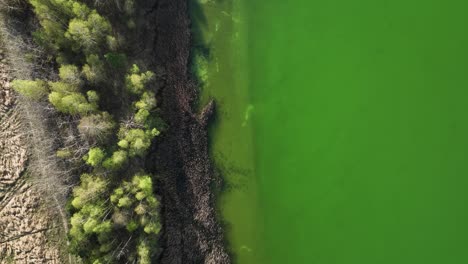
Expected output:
(63, 153)
(33, 90)
(63, 87)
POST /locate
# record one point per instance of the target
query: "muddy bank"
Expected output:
(191, 231)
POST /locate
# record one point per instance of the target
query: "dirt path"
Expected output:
(23, 224)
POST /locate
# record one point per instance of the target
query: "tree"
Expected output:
(116, 161)
(80, 10)
(52, 15)
(91, 188)
(144, 107)
(141, 116)
(95, 157)
(147, 101)
(94, 70)
(143, 251)
(33, 90)
(88, 33)
(70, 74)
(136, 81)
(136, 140)
(73, 103)
(96, 127)
(92, 96)
(132, 226)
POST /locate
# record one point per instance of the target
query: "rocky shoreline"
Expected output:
(192, 233)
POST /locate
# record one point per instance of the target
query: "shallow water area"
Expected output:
(220, 44)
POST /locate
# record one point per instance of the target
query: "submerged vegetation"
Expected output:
(114, 210)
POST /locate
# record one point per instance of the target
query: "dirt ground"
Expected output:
(24, 225)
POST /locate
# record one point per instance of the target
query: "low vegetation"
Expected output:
(114, 212)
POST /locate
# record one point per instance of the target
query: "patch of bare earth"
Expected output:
(24, 223)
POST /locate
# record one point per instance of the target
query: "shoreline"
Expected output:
(192, 233)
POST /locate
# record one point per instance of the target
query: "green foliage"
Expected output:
(144, 184)
(62, 87)
(125, 202)
(80, 10)
(93, 97)
(116, 161)
(52, 15)
(141, 116)
(138, 194)
(89, 33)
(116, 60)
(66, 100)
(153, 227)
(33, 90)
(70, 74)
(91, 188)
(143, 251)
(73, 103)
(87, 222)
(132, 226)
(136, 140)
(136, 81)
(94, 70)
(89, 65)
(146, 102)
(95, 157)
(112, 43)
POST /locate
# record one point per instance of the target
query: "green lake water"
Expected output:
(342, 130)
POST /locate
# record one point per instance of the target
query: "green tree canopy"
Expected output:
(95, 157)
(91, 188)
(70, 74)
(136, 81)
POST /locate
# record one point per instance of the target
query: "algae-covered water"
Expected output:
(355, 148)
